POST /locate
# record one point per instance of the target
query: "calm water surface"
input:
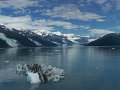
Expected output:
(86, 68)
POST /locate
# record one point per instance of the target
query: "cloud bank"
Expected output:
(26, 22)
(70, 11)
(99, 32)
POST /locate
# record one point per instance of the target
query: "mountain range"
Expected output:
(28, 38)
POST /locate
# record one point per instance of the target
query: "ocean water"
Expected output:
(86, 68)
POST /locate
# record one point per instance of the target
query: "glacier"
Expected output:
(10, 42)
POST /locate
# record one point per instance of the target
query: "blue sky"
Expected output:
(67, 16)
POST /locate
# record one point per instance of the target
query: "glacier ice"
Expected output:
(33, 77)
(40, 73)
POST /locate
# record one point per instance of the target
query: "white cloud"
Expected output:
(9, 19)
(97, 1)
(99, 31)
(84, 27)
(106, 5)
(25, 22)
(66, 25)
(117, 4)
(18, 4)
(100, 20)
(70, 11)
(21, 22)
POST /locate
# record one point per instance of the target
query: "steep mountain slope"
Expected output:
(39, 40)
(22, 40)
(17, 38)
(55, 37)
(112, 39)
(3, 44)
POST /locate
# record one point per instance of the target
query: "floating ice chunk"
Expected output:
(50, 67)
(22, 68)
(56, 78)
(19, 68)
(112, 48)
(33, 77)
(25, 68)
(7, 61)
(41, 73)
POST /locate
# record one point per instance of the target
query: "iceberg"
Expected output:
(40, 73)
(33, 77)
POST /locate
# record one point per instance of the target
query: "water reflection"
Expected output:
(86, 68)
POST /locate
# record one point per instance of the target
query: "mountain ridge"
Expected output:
(27, 38)
(112, 39)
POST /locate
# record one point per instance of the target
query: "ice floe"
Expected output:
(40, 73)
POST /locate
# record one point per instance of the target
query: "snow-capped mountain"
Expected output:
(60, 38)
(38, 38)
(18, 38)
(55, 37)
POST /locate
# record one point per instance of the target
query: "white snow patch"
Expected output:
(90, 40)
(41, 32)
(10, 42)
(37, 43)
(72, 37)
(57, 33)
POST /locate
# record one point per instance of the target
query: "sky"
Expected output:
(81, 17)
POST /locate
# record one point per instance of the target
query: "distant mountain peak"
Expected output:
(111, 39)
